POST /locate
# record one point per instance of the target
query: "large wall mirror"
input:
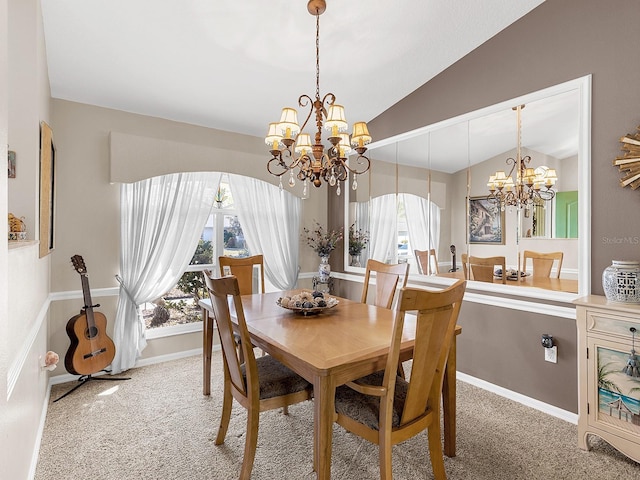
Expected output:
(426, 199)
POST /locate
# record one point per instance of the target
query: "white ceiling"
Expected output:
(550, 125)
(234, 64)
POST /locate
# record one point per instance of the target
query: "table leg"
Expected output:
(324, 392)
(449, 402)
(207, 346)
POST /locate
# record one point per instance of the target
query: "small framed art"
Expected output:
(486, 222)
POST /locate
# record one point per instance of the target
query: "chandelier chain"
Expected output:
(519, 146)
(317, 54)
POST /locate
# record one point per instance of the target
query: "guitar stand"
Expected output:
(86, 378)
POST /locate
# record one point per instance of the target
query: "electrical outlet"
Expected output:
(551, 354)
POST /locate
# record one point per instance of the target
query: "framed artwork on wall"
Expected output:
(486, 222)
(12, 165)
(47, 189)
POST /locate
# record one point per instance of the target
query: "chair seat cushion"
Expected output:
(366, 408)
(275, 379)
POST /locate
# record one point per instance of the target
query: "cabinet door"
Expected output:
(614, 397)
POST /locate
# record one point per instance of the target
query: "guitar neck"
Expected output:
(88, 303)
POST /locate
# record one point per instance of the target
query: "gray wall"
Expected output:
(558, 41)
(88, 204)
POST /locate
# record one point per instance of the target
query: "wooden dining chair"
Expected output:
(258, 384)
(427, 261)
(243, 269)
(465, 265)
(543, 263)
(388, 276)
(386, 409)
(481, 269)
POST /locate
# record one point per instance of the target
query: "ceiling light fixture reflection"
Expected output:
(532, 185)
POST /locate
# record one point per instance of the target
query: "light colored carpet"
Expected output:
(158, 425)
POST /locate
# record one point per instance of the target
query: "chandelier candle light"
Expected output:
(531, 186)
(313, 164)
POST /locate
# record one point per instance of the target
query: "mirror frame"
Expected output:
(583, 85)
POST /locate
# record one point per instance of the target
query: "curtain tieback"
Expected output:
(127, 292)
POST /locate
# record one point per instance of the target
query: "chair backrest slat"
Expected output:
(425, 258)
(242, 269)
(436, 317)
(481, 269)
(543, 263)
(220, 290)
(387, 279)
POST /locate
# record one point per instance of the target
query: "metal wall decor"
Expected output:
(629, 162)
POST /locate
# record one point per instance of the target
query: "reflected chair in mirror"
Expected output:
(258, 384)
(427, 261)
(481, 269)
(543, 263)
(388, 276)
(243, 269)
(465, 268)
(386, 409)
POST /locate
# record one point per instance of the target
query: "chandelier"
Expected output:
(312, 163)
(532, 186)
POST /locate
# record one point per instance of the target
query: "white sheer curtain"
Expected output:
(270, 220)
(423, 222)
(384, 230)
(161, 222)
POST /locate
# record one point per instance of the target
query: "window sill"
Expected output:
(185, 328)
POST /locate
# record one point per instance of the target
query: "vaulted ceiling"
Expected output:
(232, 65)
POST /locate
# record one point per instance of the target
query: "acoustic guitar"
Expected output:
(91, 349)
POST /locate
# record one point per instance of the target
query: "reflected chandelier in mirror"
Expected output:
(528, 187)
(450, 161)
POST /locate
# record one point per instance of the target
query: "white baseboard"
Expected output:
(518, 397)
(36, 448)
(140, 363)
(477, 382)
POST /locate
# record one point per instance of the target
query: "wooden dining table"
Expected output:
(329, 349)
(548, 283)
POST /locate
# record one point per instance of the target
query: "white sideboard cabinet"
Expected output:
(609, 399)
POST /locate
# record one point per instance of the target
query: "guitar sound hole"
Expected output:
(92, 332)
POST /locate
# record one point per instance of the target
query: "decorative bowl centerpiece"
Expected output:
(307, 302)
(512, 274)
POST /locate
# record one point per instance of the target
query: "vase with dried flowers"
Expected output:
(358, 240)
(323, 242)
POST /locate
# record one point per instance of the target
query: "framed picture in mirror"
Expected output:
(486, 222)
